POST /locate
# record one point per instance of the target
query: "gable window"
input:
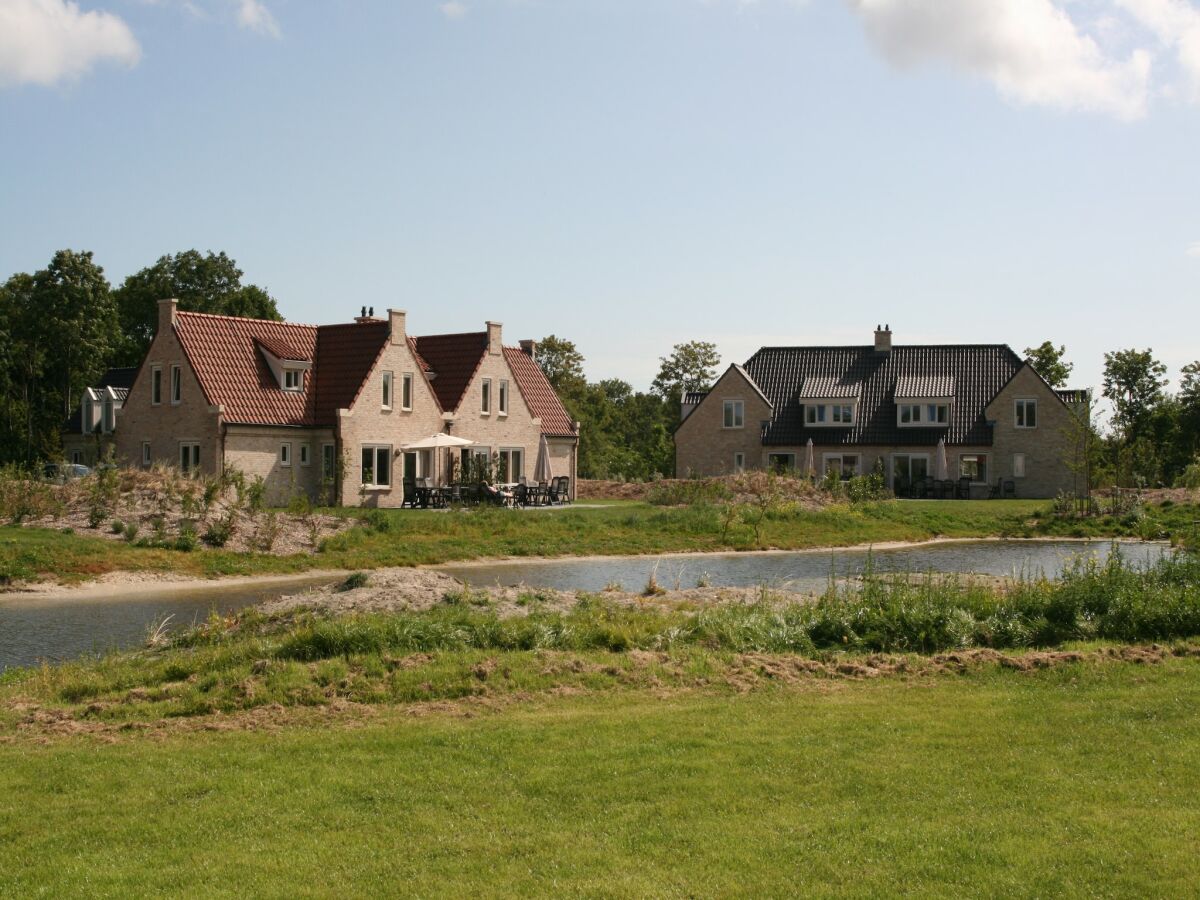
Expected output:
(293, 380)
(486, 408)
(406, 384)
(285, 454)
(189, 457)
(145, 454)
(739, 463)
(327, 461)
(156, 385)
(1018, 467)
(973, 466)
(503, 397)
(176, 384)
(733, 414)
(377, 465)
(1027, 414)
(386, 400)
(305, 454)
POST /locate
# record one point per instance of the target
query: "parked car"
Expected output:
(60, 473)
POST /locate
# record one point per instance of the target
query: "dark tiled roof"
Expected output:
(539, 396)
(693, 398)
(979, 372)
(119, 379)
(924, 387)
(453, 359)
(1074, 395)
(825, 387)
(345, 355)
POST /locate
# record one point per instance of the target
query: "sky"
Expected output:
(630, 174)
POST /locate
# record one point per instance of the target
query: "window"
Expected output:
(293, 380)
(156, 385)
(1018, 465)
(328, 461)
(937, 414)
(814, 414)
(503, 397)
(487, 396)
(1027, 414)
(739, 463)
(145, 454)
(377, 465)
(512, 465)
(928, 414)
(843, 414)
(176, 386)
(305, 454)
(109, 420)
(77, 457)
(973, 466)
(907, 470)
(285, 454)
(387, 390)
(845, 465)
(406, 383)
(734, 414)
(88, 416)
(189, 457)
(781, 462)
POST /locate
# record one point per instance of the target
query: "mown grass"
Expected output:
(308, 659)
(1078, 781)
(416, 537)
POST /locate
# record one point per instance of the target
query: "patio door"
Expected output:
(908, 468)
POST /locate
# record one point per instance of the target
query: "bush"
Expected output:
(378, 520)
(187, 540)
(687, 493)
(117, 526)
(354, 580)
(129, 532)
(220, 531)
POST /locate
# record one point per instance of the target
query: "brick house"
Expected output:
(327, 410)
(90, 430)
(866, 406)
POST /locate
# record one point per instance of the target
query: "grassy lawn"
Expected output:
(413, 537)
(1078, 780)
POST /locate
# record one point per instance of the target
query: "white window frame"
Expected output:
(305, 454)
(293, 379)
(485, 397)
(739, 463)
(386, 385)
(1020, 465)
(842, 413)
(406, 391)
(328, 460)
(827, 458)
(375, 484)
(984, 457)
(156, 385)
(176, 385)
(1021, 407)
(285, 454)
(733, 413)
(789, 466)
(108, 415)
(512, 477)
(926, 413)
(502, 398)
(910, 457)
(189, 464)
(146, 457)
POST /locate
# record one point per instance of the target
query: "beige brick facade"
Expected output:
(704, 446)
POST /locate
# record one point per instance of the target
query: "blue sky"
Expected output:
(632, 174)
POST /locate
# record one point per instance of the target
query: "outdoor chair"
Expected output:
(964, 488)
(995, 489)
(564, 489)
(454, 495)
(521, 493)
(543, 494)
(410, 493)
(945, 489)
(556, 491)
(1010, 488)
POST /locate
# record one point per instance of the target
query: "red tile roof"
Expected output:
(539, 396)
(280, 350)
(453, 359)
(233, 373)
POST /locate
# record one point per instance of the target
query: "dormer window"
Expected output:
(293, 380)
(830, 413)
(287, 364)
(933, 414)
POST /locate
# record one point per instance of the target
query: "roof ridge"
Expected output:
(205, 315)
(872, 347)
(449, 334)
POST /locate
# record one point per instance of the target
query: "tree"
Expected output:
(692, 366)
(1133, 382)
(210, 283)
(562, 363)
(1048, 361)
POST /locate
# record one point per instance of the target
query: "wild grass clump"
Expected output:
(688, 492)
(354, 581)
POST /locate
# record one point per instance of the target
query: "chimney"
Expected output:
(396, 321)
(166, 314)
(493, 336)
(529, 348)
(883, 339)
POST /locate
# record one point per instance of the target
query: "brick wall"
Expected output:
(1048, 448)
(703, 447)
(255, 451)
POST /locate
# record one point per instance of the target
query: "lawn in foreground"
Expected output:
(1077, 780)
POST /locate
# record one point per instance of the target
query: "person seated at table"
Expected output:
(498, 494)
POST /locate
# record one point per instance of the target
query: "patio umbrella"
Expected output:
(941, 468)
(436, 442)
(541, 472)
(810, 468)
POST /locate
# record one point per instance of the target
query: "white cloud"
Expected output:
(1194, 249)
(1031, 50)
(453, 9)
(1176, 24)
(254, 15)
(50, 41)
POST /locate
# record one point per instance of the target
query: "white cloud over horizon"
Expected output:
(48, 42)
(253, 15)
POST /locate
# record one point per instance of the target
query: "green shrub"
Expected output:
(129, 532)
(218, 532)
(117, 526)
(354, 580)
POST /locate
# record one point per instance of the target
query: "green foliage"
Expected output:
(219, 531)
(687, 492)
(354, 580)
(256, 494)
(1049, 362)
(691, 366)
(130, 531)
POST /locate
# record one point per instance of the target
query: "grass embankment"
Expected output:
(461, 649)
(414, 537)
(1079, 780)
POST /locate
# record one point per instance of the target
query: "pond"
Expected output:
(803, 571)
(54, 628)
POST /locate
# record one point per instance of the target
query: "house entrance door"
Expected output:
(908, 468)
